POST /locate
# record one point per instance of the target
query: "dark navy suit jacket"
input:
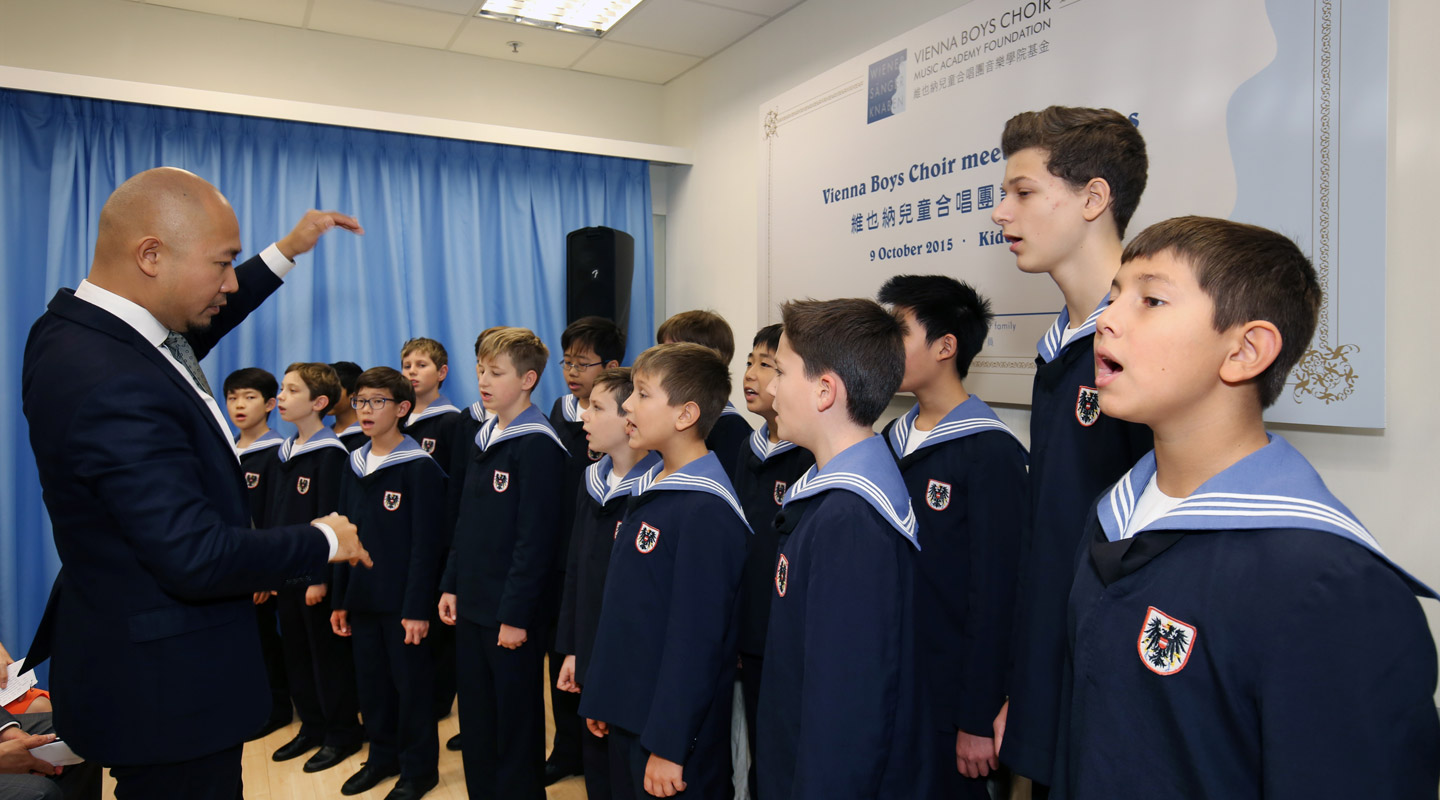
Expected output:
(156, 651)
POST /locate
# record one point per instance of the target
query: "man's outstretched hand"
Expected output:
(311, 227)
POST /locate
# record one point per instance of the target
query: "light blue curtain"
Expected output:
(459, 236)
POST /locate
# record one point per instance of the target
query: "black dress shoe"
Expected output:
(413, 789)
(328, 757)
(296, 747)
(556, 772)
(367, 777)
(453, 743)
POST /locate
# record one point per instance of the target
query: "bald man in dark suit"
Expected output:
(155, 646)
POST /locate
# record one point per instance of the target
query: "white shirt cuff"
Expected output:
(11, 724)
(329, 538)
(276, 261)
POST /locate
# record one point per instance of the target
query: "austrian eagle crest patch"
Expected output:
(302, 485)
(392, 501)
(782, 575)
(252, 479)
(647, 538)
(427, 444)
(1087, 406)
(1165, 642)
(937, 495)
(501, 481)
(780, 487)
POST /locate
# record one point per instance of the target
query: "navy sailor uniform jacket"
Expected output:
(257, 462)
(307, 480)
(665, 648)
(1252, 642)
(565, 419)
(763, 474)
(729, 438)
(434, 430)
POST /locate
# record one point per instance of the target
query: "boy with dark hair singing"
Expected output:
(320, 669)
(1230, 619)
(1073, 178)
(662, 675)
(501, 563)
(599, 508)
(396, 494)
(840, 713)
(347, 425)
(966, 475)
(764, 471)
(731, 431)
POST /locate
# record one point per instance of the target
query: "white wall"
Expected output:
(1386, 477)
(157, 45)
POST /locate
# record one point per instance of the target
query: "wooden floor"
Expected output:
(267, 780)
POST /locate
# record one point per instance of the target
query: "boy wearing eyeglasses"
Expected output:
(396, 491)
(591, 345)
(499, 571)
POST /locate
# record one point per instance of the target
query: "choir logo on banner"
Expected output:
(1087, 406)
(782, 575)
(302, 485)
(1165, 642)
(501, 482)
(647, 538)
(937, 495)
(886, 90)
(427, 444)
(780, 487)
(392, 501)
(252, 479)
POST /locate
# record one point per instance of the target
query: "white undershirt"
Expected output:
(1152, 505)
(613, 479)
(372, 462)
(916, 438)
(1067, 335)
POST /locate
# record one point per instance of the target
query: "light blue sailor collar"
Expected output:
(442, 405)
(970, 417)
(1049, 344)
(866, 469)
(526, 422)
(597, 477)
(704, 474)
(268, 439)
(730, 410)
(1274, 487)
(478, 412)
(570, 408)
(763, 448)
(351, 431)
(322, 439)
(407, 450)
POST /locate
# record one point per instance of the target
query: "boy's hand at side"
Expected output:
(447, 608)
(415, 630)
(565, 682)
(597, 728)
(663, 778)
(975, 755)
(262, 596)
(340, 622)
(511, 637)
(1000, 726)
(347, 540)
(314, 594)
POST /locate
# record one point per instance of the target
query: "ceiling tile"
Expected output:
(278, 12)
(388, 22)
(634, 63)
(681, 26)
(765, 8)
(465, 7)
(486, 37)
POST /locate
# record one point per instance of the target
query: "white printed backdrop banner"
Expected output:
(1269, 113)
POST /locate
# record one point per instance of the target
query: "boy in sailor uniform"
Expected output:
(1233, 630)
(249, 399)
(1073, 177)
(320, 669)
(965, 472)
(590, 345)
(661, 678)
(840, 712)
(347, 425)
(499, 569)
(731, 433)
(395, 490)
(598, 511)
(766, 469)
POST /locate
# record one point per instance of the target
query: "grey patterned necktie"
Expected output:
(179, 347)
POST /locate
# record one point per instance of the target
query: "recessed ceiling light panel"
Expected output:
(589, 17)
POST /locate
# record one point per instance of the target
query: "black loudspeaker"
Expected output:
(599, 267)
